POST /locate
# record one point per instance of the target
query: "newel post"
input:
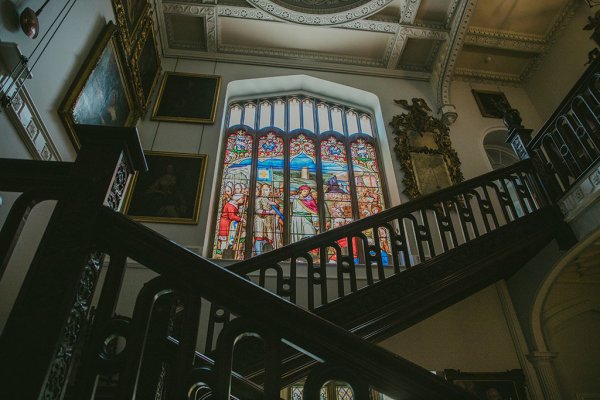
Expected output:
(519, 138)
(51, 310)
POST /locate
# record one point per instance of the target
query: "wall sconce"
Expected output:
(29, 21)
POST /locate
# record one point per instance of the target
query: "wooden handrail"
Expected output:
(426, 201)
(392, 374)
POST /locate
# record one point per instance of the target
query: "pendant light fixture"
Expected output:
(29, 21)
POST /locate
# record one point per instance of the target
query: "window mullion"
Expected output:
(251, 197)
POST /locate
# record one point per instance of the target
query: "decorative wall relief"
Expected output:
(424, 150)
(24, 115)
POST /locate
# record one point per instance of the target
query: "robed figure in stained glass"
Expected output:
(266, 226)
(304, 214)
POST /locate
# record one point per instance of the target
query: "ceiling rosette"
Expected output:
(320, 12)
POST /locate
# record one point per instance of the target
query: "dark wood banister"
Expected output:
(283, 253)
(390, 373)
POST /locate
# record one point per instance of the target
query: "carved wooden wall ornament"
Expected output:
(424, 150)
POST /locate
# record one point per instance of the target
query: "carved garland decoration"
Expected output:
(417, 133)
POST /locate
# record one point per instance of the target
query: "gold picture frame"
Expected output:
(491, 104)
(424, 149)
(170, 191)
(130, 15)
(100, 94)
(187, 97)
(145, 66)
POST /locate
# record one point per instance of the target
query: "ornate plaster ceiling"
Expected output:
(429, 40)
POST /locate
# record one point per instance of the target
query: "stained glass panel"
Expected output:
(233, 203)
(303, 189)
(271, 187)
(308, 121)
(323, 117)
(344, 392)
(336, 120)
(268, 206)
(296, 392)
(368, 188)
(265, 115)
(352, 122)
(294, 114)
(365, 124)
(249, 114)
(235, 115)
(279, 114)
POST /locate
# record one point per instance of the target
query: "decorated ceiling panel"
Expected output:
(495, 41)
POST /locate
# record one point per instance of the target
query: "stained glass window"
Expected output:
(295, 166)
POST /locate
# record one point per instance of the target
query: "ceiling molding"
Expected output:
(444, 70)
(359, 11)
(303, 64)
(396, 46)
(514, 41)
(468, 74)
(409, 11)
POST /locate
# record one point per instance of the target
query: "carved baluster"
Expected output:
(507, 201)
(90, 358)
(218, 315)
(400, 245)
(59, 285)
(149, 326)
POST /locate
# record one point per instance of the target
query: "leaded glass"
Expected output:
(233, 203)
(235, 115)
(283, 183)
(249, 114)
(268, 206)
(294, 114)
(344, 392)
(365, 124)
(308, 118)
(296, 392)
(303, 189)
(265, 115)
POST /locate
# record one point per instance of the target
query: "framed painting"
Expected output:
(170, 191)
(145, 66)
(130, 15)
(100, 94)
(509, 385)
(491, 104)
(187, 98)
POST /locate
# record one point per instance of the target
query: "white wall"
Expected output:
(471, 336)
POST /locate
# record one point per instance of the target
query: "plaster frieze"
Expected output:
(505, 40)
(481, 76)
(409, 11)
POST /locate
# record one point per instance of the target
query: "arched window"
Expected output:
(294, 166)
(499, 153)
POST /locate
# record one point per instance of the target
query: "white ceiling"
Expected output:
(485, 40)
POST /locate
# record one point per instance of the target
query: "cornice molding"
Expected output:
(515, 41)
(299, 63)
(486, 76)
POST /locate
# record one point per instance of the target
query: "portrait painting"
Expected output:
(99, 94)
(170, 191)
(145, 66)
(130, 15)
(187, 98)
(491, 104)
(490, 385)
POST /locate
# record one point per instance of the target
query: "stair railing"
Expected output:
(568, 145)
(55, 352)
(384, 245)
